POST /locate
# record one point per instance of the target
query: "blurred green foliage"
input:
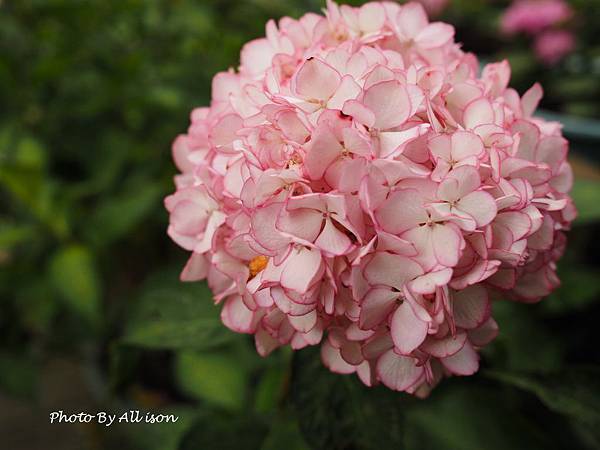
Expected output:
(91, 95)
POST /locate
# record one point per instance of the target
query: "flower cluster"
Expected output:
(540, 19)
(358, 185)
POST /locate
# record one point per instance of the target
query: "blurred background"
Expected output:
(93, 317)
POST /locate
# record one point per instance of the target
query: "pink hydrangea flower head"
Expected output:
(553, 45)
(534, 16)
(357, 185)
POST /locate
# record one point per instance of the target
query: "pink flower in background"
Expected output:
(534, 16)
(434, 7)
(357, 185)
(553, 45)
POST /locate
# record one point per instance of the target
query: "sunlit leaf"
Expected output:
(73, 273)
(586, 194)
(216, 377)
(13, 234)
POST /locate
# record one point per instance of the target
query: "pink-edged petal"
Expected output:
(411, 19)
(256, 56)
(407, 330)
(355, 142)
(471, 307)
(402, 211)
(188, 218)
(287, 306)
(466, 144)
(181, 151)
(421, 239)
(440, 147)
(435, 35)
(484, 334)
(304, 224)
(225, 130)
(359, 112)
(324, 149)
(390, 103)
(304, 323)
(391, 141)
(389, 243)
(376, 306)
(448, 190)
(428, 283)
(371, 17)
(351, 352)
(196, 268)
(552, 150)
(468, 179)
(464, 362)
(332, 241)
(366, 373)
(447, 346)
(391, 270)
(398, 372)
(480, 205)
(217, 218)
(348, 90)
(316, 80)
(377, 346)
(355, 333)
(531, 99)
(301, 269)
(236, 315)
(447, 244)
(333, 360)
(478, 112)
(264, 342)
(263, 227)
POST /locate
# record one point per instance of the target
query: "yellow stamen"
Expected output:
(257, 264)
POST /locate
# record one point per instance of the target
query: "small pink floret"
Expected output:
(534, 16)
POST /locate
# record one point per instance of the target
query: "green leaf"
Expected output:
(586, 194)
(285, 434)
(73, 273)
(30, 154)
(118, 215)
(158, 436)
(216, 377)
(470, 417)
(580, 287)
(171, 314)
(270, 389)
(18, 375)
(221, 431)
(573, 392)
(37, 305)
(13, 234)
(339, 412)
(39, 195)
(524, 343)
